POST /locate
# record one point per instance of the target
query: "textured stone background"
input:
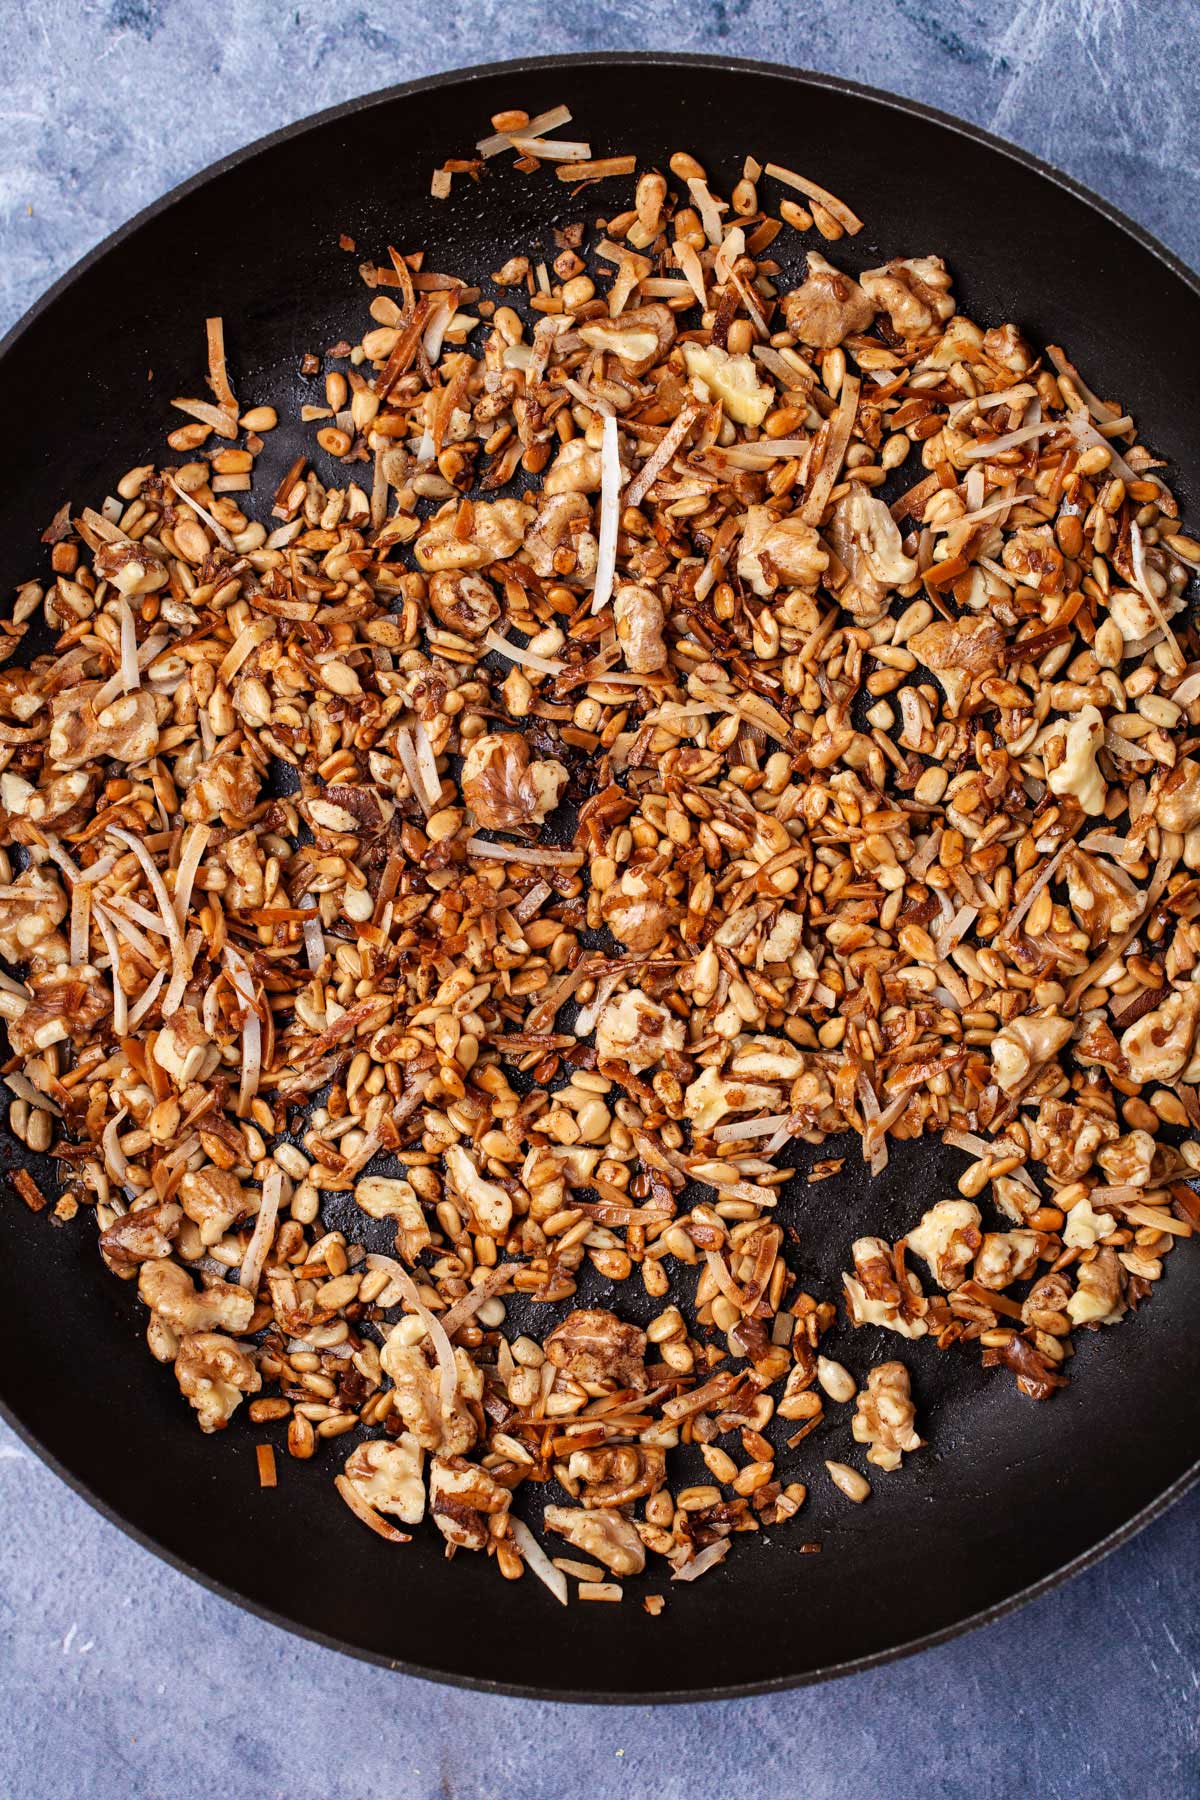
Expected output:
(123, 1681)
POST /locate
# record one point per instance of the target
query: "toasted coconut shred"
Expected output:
(679, 708)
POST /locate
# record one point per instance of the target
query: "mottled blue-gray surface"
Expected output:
(120, 1679)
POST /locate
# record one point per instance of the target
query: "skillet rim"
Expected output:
(461, 77)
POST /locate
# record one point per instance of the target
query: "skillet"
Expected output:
(1009, 1496)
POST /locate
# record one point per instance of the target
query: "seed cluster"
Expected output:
(670, 717)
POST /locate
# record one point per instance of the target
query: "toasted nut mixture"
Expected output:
(672, 711)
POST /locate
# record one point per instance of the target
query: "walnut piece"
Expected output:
(144, 1234)
(639, 617)
(946, 1239)
(602, 1533)
(1005, 1257)
(592, 1344)
(575, 470)
(418, 1399)
(1158, 1045)
(126, 729)
(489, 1204)
(462, 1497)
(874, 1296)
(169, 1292)
(829, 307)
(1024, 1045)
(505, 787)
(213, 1373)
(774, 553)
(387, 1472)
(1099, 1293)
(634, 1030)
(496, 532)
(636, 910)
(867, 541)
(733, 380)
(561, 540)
(884, 1416)
(464, 603)
(616, 1475)
(214, 1199)
(382, 1197)
(913, 291)
(1075, 776)
(639, 337)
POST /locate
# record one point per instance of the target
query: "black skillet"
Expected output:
(1009, 1496)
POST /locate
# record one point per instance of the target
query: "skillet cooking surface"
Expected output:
(1009, 1495)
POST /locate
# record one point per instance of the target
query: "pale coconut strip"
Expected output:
(670, 442)
(955, 931)
(1035, 888)
(751, 1129)
(114, 1157)
(665, 287)
(435, 331)
(1137, 554)
(706, 206)
(975, 488)
(195, 845)
(526, 853)
(528, 659)
(586, 398)
(753, 708)
(147, 1000)
(966, 409)
(539, 1563)
(263, 1235)
(215, 417)
(406, 751)
(1002, 503)
(1101, 410)
(719, 1270)
(465, 1309)
(444, 1349)
(129, 931)
(793, 374)
(181, 971)
(314, 937)
(537, 127)
(244, 645)
(242, 982)
(610, 515)
(840, 432)
(65, 862)
(1011, 440)
(132, 921)
(1188, 689)
(366, 1514)
(120, 999)
(998, 1147)
(874, 1138)
(81, 907)
(222, 536)
(703, 1561)
(218, 372)
(1082, 428)
(130, 674)
(750, 302)
(850, 222)
(427, 762)
(687, 259)
(551, 149)
(24, 1089)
